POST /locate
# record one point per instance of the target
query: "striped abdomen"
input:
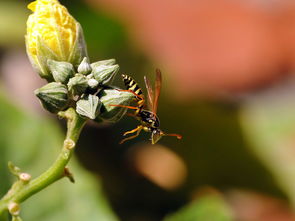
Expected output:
(131, 85)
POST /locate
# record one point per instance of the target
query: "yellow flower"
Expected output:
(52, 33)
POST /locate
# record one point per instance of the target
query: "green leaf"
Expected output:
(207, 208)
(269, 125)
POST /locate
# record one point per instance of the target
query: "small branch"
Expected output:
(20, 190)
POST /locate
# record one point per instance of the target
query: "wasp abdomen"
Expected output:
(131, 84)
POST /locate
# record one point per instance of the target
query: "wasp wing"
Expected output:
(150, 93)
(158, 85)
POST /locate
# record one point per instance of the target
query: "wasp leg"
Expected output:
(137, 130)
(140, 102)
(129, 107)
(135, 94)
(133, 131)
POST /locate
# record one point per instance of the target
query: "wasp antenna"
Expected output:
(119, 105)
(178, 136)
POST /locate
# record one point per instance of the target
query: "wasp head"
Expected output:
(156, 135)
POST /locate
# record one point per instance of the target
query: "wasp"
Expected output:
(145, 114)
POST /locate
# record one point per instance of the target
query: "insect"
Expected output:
(148, 119)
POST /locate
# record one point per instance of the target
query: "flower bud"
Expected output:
(78, 84)
(60, 70)
(92, 83)
(103, 62)
(53, 96)
(84, 67)
(110, 97)
(104, 74)
(52, 33)
(89, 106)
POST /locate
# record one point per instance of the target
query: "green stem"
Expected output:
(4, 216)
(20, 191)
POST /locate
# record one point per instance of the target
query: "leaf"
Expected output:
(210, 207)
(33, 143)
(269, 127)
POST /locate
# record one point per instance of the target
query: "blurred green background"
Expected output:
(236, 160)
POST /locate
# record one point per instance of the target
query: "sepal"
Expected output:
(79, 49)
(89, 106)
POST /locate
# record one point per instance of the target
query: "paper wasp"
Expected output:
(147, 117)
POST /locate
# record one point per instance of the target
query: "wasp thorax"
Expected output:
(149, 118)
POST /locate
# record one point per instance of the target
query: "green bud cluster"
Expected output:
(88, 89)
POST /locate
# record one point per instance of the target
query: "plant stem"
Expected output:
(4, 216)
(20, 190)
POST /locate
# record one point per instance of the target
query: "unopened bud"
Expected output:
(89, 76)
(104, 74)
(111, 97)
(53, 96)
(103, 62)
(89, 106)
(84, 67)
(78, 84)
(92, 83)
(52, 33)
(60, 70)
